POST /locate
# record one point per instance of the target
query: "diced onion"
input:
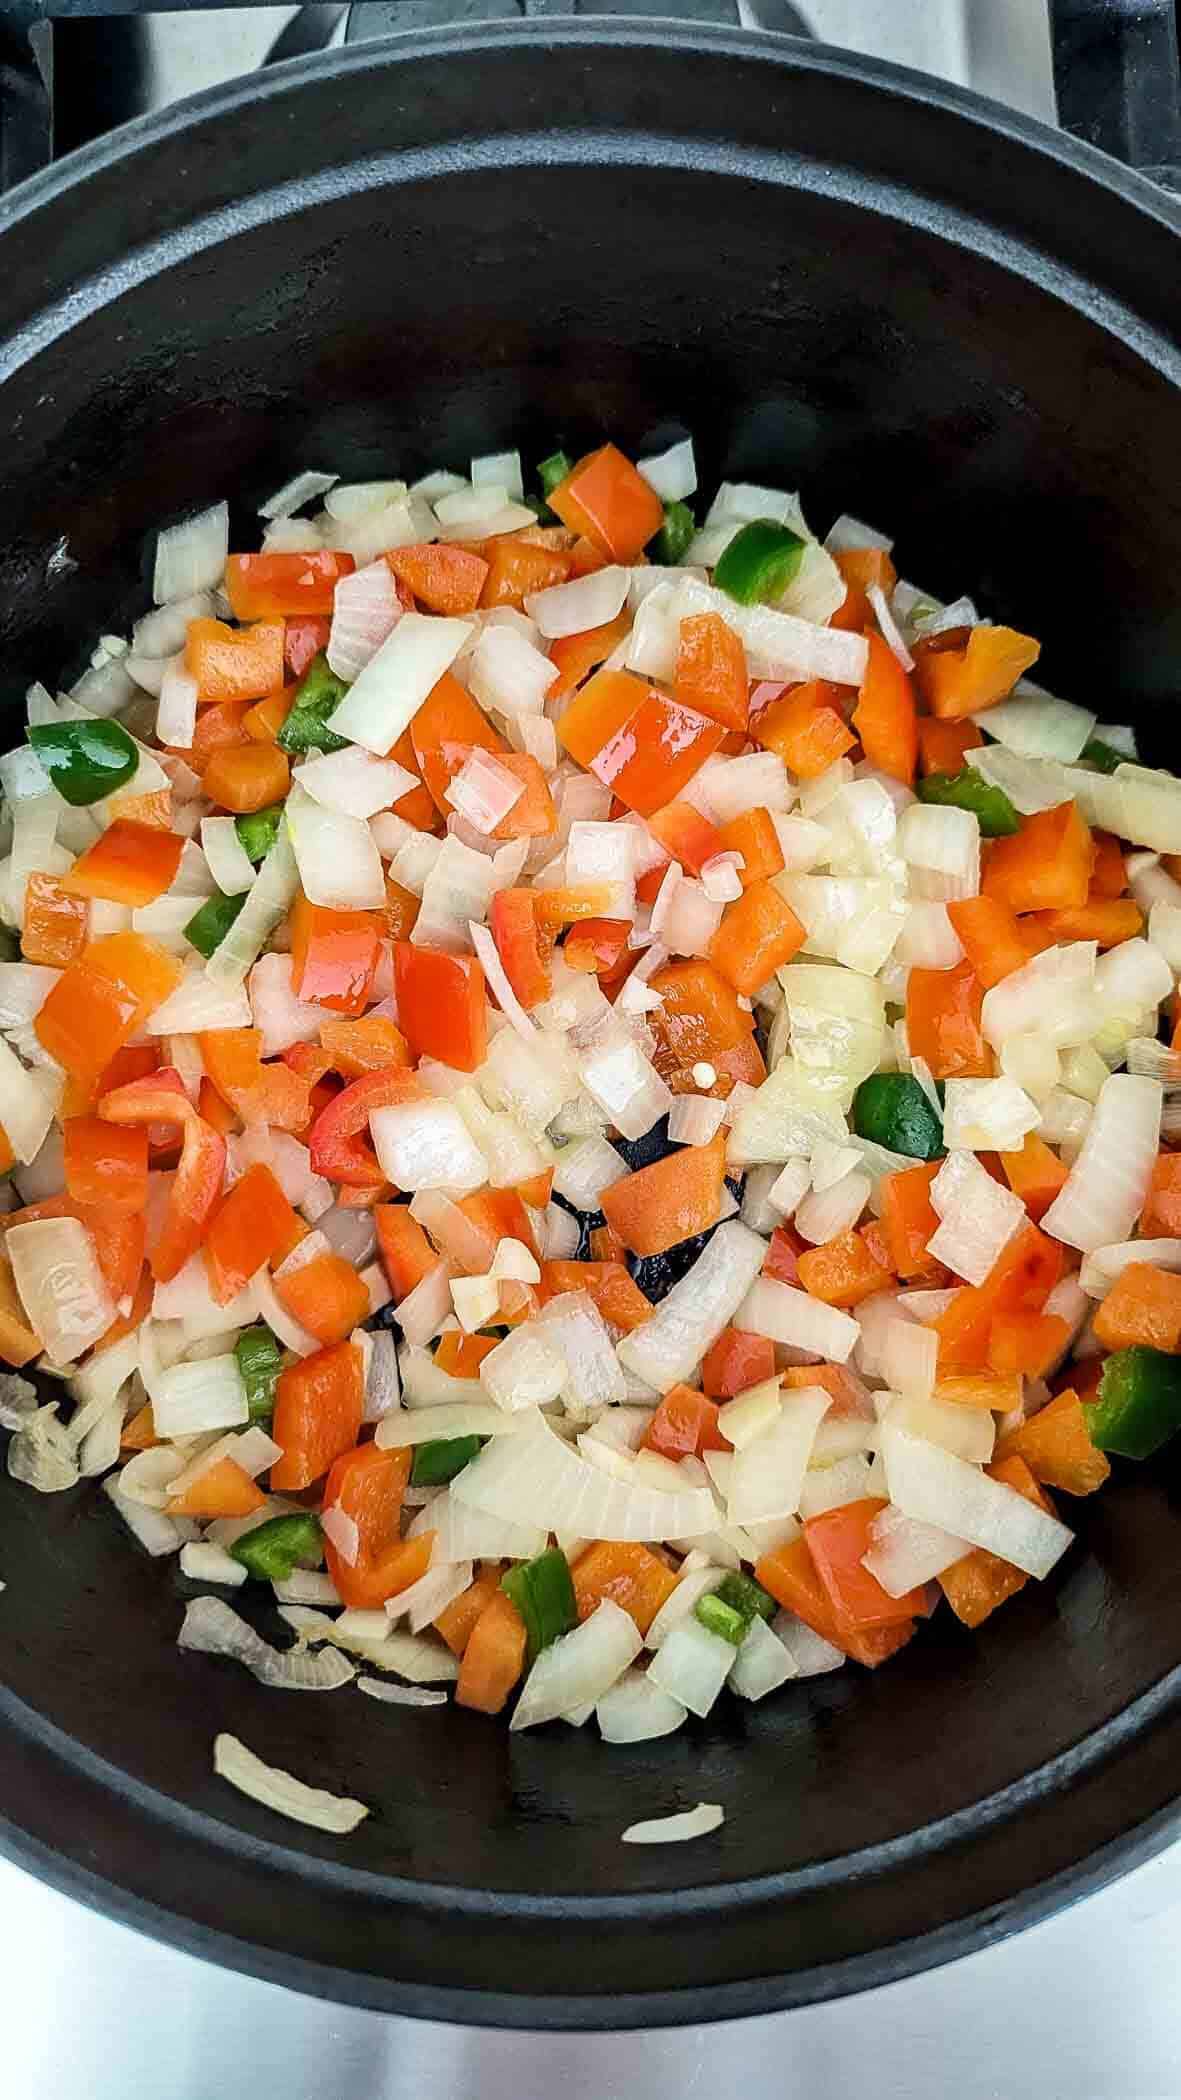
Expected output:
(537, 1479)
(200, 1002)
(1036, 725)
(273, 891)
(176, 716)
(427, 1145)
(1105, 1189)
(666, 1349)
(623, 1082)
(585, 1168)
(229, 863)
(1104, 1265)
(942, 848)
(354, 782)
(194, 1397)
(691, 1665)
(768, 1472)
(905, 1554)
(423, 1310)
(61, 1286)
(826, 1213)
(338, 862)
(977, 1217)
(792, 1317)
(635, 1710)
(572, 608)
(277, 1789)
(579, 1667)
(365, 610)
(192, 556)
(396, 680)
(673, 473)
(694, 1119)
(778, 644)
(939, 1489)
(484, 791)
(987, 1115)
(507, 674)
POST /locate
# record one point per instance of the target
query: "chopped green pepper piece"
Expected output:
(318, 695)
(759, 562)
(273, 1549)
(258, 830)
(719, 1617)
(746, 1596)
(209, 926)
(1104, 757)
(442, 1458)
(672, 541)
(260, 1360)
(543, 1593)
(891, 1109)
(553, 470)
(1139, 1403)
(10, 944)
(969, 790)
(85, 760)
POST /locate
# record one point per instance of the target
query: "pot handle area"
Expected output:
(1118, 80)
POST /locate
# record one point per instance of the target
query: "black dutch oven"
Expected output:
(910, 304)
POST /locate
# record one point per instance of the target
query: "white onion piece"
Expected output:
(339, 864)
(354, 782)
(1105, 1189)
(886, 621)
(281, 1018)
(622, 1081)
(1103, 1266)
(296, 492)
(574, 1326)
(60, 1284)
(191, 556)
(826, 1213)
(228, 861)
(507, 674)
(937, 1488)
(666, 1349)
(905, 1554)
(756, 780)
(24, 988)
(278, 1790)
(635, 1710)
(422, 1661)
(407, 1426)
(365, 610)
(423, 1600)
(585, 1168)
(691, 1665)
(560, 1234)
(977, 1217)
(484, 791)
(457, 889)
(194, 1397)
(942, 848)
(695, 1119)
(200, 1002)
(400, 1694)
(176, 716)
(691, 920)
(155, 1532)
(423, 1310)
(578, 1668)
(768, 1473)
(672, 473)
(967, 1432)
(211, 1628)
(573, 608)
(463, 1534)
(792, 1317)
(676, 1829)
(928, 940)
(987, 1115)
(273, 891)
(778, 644)
(1036, 725)
(536, 1478)
(394, 683)
(427, 1145)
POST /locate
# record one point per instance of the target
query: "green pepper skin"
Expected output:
(891, 1109)
(969, 790)
(1138, 1408)
(272, 1550)
(759, 562)
(209, 925)
(85, 761)
(318, 695)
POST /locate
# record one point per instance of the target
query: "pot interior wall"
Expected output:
(397, 313)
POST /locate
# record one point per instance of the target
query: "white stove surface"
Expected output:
(1082, 2007)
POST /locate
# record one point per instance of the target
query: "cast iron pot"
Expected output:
(840, 278)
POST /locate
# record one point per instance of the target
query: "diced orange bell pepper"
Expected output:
(513, 924)
(318, 1406)
(101, 1000)
(993, 942)
(494, 1657)
(975, 1585)
(368, 1045)
(843, 1271)
(417, 805)
(222, 1490)
(536, 1192)
(272, 1093)
(804, 728)
(248, 778)
(139, 1434)
(655, 754)
(1056, 1446)
(368, 1485)
(596, 945)
(576, 654)
(253, 1225)
(944, 747)
(754, 836)
(684, 1425)
(1109, 876)
(608, 500)
(455, 1624)
(710, 673)
(676, 1197)
(104, 1164)
(461, 1355)
(325, 1295)
(262, 722)
(219, 728)
(1107, 920)
(401, 910)
(1032, 1343)
(1046, 866)
(533, 815)
(442, 732)
(499, 1214)
(335, 955)
(230, 665)
(791, 1575)
(18, 1343)
(196, 1185)
(943, 1022)
(1160, 1218)
(1143, 1308)
(610, 1287)
(406, 1253)
(837, 1541)
(602, 707)
(517, 568)
(909, 1217)
(129, 864)
(446, 579)
(55, 923)
(275, 586)
(1035, 1174)
(861, 566)
(304, 638)
(1020, 1280)
(736, 1361)
(987, 1391)
(442, 1005)
(886, 717)
(758, 934)
(687, 836)
(631, 1576)
(960, 680)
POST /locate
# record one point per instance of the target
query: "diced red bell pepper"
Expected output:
(368, 1485)
(442, 1005)
(606, 498)
(513, 923)
(736, 1361)
(302, 640)
(338, 1148)
(129, 864)
(335, 955)
(161, 1098)
(318, 1406)
(684, 1425)
(282, 586)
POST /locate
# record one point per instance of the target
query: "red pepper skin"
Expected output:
(338, 1141)
(161, 1098)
